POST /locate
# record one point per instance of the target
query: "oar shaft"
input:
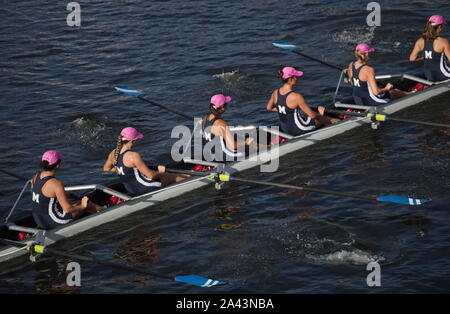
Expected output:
(14, 175)
(166, 108)
(109, 264)
(421, 122)
(317, 60)
(305, 188)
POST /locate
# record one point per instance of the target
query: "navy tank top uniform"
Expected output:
(436, 66)
(47, 212)
(293, 121)
(362, 93)
(220, 151)
(134, 181)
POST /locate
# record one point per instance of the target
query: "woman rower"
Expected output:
(215, 128)
(362, 76)
(436, 50)
(296, 116)
(135, 175)
(51, 207)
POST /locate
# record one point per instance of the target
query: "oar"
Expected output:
(385, 198)
(189, 279)
(294, 49)
(135, 93)
(383, 117)
(14, 175)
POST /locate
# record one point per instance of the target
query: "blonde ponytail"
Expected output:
(119, 145)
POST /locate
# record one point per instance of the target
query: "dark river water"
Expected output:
(57, 93)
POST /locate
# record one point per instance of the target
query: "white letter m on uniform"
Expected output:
(35, 197)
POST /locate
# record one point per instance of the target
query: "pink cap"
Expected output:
(219, 100)
(364, 48)
(52, 157)
(437, 20)
(131, 134)
(290, 72)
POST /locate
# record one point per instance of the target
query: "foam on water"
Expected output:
(351, 256)
(352, 36)
(234, 75)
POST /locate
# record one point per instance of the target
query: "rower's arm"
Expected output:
(372, 81)
(137, 162)
(61, 196)
(446, 49)
(418, 47)
(350, 73)
(311, 113)
(221, 128)
(271, 104)
(109, 163)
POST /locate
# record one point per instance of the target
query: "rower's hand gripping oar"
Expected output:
(383, 117)
(138, 94)
(294, 49)
(385, 198)
(194, 280)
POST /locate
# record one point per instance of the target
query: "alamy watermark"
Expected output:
(374, 17)
(74, 276)
(374, 277)
(74, 17)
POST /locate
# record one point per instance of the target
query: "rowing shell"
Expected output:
(144, 201)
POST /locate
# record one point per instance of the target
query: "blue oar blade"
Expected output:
(198, 281)
(128, 91)
(401, 200)
(285, 46)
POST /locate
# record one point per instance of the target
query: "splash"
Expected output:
(352, 256)
(353, 36)
(229, 76)
(87, 131)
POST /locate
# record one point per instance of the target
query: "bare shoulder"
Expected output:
(368, 69)
(295, 96)
(442, 40)
(221, 123)
(55, 184)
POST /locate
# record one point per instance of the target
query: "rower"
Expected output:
(296, 116)
(51, 207)
(135, 175)
(216, 129)
(362, 77)
(436, 50)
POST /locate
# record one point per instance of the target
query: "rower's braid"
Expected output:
(118, 148)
